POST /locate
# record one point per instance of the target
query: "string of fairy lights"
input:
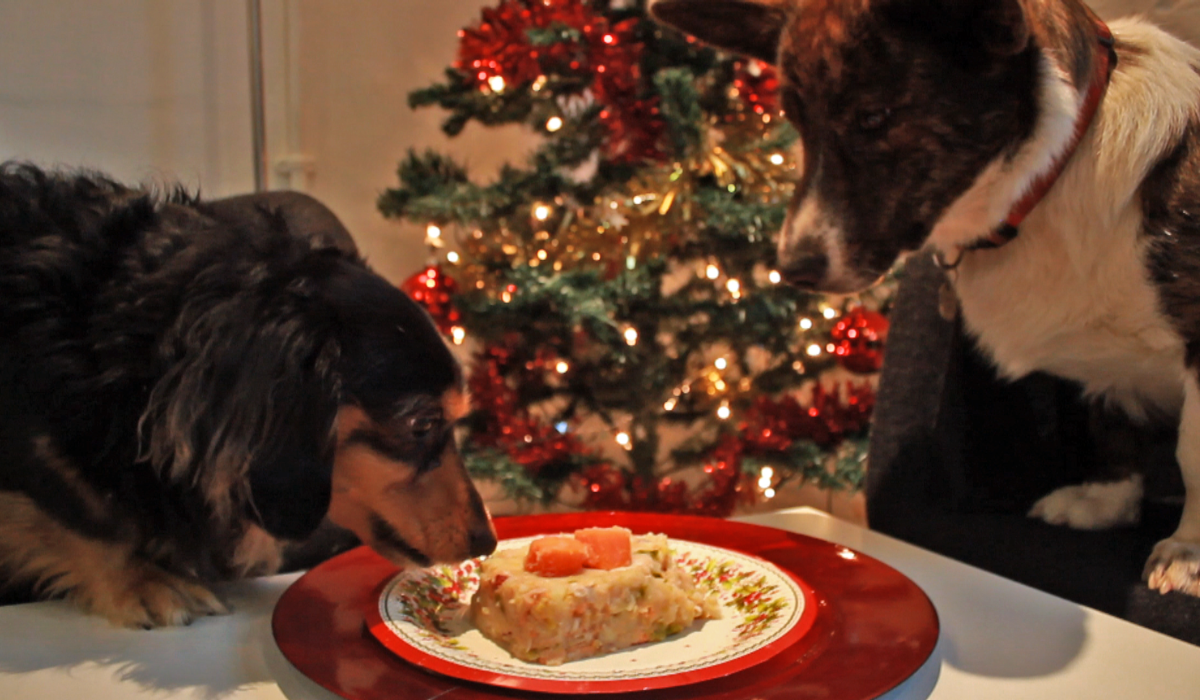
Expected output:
(658, 213)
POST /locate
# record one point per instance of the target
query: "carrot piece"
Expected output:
(607, 547)
(555, 556)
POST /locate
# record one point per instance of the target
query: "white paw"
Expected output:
(1095, 506)
(1174, 565)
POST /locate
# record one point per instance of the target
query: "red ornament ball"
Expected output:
(434, 289)
(859, 338)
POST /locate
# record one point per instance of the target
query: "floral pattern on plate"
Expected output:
(429, 609)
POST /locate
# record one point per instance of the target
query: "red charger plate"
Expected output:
(873, 628)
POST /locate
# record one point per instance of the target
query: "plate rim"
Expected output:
(323, 607)
(378, 628)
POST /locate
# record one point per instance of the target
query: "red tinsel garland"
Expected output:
(509, 428)
(586, 45)
(772, 425)
(769, 428)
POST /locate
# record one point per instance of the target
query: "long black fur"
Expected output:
(186, 361)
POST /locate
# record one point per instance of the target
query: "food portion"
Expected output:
(606, 547)
(567, 597)
(556, 556)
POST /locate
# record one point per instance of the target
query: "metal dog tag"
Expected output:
(947, 301)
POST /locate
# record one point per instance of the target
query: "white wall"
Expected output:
(159, 90)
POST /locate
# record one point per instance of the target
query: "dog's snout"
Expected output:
(807, 272)
(482, 539)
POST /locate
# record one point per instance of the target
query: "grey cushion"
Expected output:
(958, 456)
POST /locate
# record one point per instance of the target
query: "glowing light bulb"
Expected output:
(631, 336)
(806, 323)
(712, 272)
(452, 258)
(774, 276)
(622, 438)
(496, 83)
(433, 231)
(829, 313)
(541, 212)
(814, 350)
(723, 412)
(776, 159)
(721, 363)
(769, 493)
(554, 124)
(458, 334)
(767, 472)
(670, 405)
(562, 367)
(733, 286)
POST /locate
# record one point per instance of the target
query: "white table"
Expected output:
(999, 639)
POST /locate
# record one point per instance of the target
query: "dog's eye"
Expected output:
(423, 427)
(874, 119)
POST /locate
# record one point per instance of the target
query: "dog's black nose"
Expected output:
(808, 272)
(483, 539)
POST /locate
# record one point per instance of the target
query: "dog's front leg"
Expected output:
(103, 577)
(1174, 564)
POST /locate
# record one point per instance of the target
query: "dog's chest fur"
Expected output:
(1074, 294)
(1096, 320)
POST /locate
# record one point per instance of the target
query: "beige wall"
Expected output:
(159, 90)
(356, 70)
(143, 90)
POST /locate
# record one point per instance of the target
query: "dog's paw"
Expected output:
(1094, 506)
(1174, 565)
(147, 597)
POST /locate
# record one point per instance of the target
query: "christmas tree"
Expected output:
(634, 346)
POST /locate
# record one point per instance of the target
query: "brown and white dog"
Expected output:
(930, 122)
(189, 389)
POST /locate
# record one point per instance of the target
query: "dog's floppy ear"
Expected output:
(742, 26)
(245, 409)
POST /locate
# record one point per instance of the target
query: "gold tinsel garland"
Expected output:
(646, 217)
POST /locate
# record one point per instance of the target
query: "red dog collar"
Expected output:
(1106, 61)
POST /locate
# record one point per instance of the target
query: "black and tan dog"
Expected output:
(186, 387)
(959, 123)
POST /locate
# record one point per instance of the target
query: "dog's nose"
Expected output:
(483, 539)
(808, 272)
